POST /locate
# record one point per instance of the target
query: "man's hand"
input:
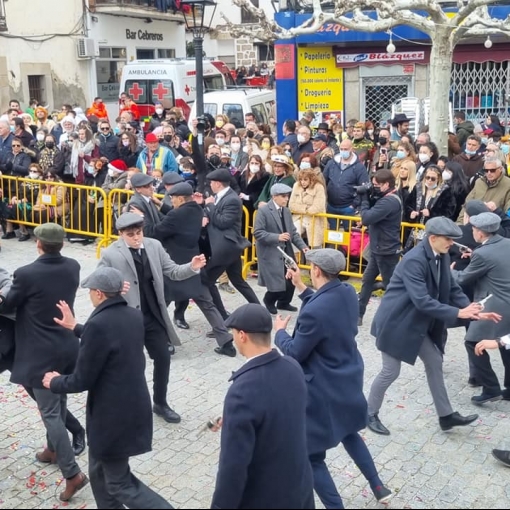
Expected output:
(452, 265)
(466, 254)
(205, 221)
(198, 262)
(490, 316)
(48, 377)
(261, 204)
(156, 200)
(135, 210)
(295, 276)
(306, 249)
(281, 323)
(67, 321)
(284, 237)
(491, 206)
(217, 424)
(425, 213)
(198, 198)
(414, 214)
(470, 312)
(483, 345)
(209, 200)
(125, 288)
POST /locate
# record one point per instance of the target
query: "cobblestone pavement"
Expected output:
(425, 467)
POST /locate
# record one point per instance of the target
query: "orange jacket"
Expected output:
(99, 110)
(133, 109)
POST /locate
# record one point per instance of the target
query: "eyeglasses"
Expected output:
(488, 170)
(49, 177)
(105, 129)
(430, 178)
(15, 145)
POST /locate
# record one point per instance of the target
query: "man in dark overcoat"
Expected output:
(111, 367)
(324, 344)
(42, 346)
(263, 459)
(420, 303)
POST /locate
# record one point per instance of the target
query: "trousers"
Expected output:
(53, 408)
(115, 486)
(283, 297)
(156, 343)
(377, 264)
(433, 361)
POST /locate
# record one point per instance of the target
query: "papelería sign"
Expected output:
(143, 35)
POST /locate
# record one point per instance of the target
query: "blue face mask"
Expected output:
(470, 153)
(187, 175)
(345, 154)
(401, 154)
(485, 141)
(12, 129)
(505, 149)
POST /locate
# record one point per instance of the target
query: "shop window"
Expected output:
(144, 54)
(266, 52)
(248, 17)
(3, 19)
(36, 88)
(109, 67)
(481, 89)
(169, 53)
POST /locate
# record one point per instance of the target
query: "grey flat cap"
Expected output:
(329, 260)
(50, 233)
(182, 189)
(172, 178)
(140, 180)
(442, 226)
(105, 279)
(251, 318)
(474, 207)
(487, 222)
(127, 220)
(220, 175)
(280, 189)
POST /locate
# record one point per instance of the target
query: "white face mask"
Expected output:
(446, 175)
(159, 111)
(305, 165)
(254, 169)
(301, 139)
(236, 147)
(220, 141)
(125, 143)
(370, 132)
(41, 137)
(431, 185)
(33, 175)
(111, 172)
(246, 149)
(424, 158)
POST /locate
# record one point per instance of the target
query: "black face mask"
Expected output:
(215, 160)
(325, 160)
(383, 140)
(50, 145)
(167, 138)
(250, 134)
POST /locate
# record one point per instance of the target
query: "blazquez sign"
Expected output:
(381, 57)
(143, 36)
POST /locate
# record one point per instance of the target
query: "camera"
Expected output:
(202, 123)
(364, 188)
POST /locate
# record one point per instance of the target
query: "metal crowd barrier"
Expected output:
(81, 210)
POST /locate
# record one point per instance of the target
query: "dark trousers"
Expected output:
(114, 486)
(377, 264)
(483, 369)
(156, 343)
(281, 298)
(323, 482)
(180, 309)
(235, 274)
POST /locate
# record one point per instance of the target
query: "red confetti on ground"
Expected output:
(400, 406)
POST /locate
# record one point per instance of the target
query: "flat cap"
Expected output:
(105, 279)
(172, 178)
(487, 221)
(474, 207)
(329, 260)
(441, 226)
(280, 189)
(251, 318)
(50, 233)
(141, 180)
(181, 189)
(128, 219)
(220, 175)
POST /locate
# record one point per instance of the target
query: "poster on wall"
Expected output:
(320, 85)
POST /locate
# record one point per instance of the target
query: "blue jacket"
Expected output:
(340, 183)
(414, 306)
(263, 458)
(324, 344)
(164, 160)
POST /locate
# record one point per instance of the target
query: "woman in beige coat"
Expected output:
(309, 198)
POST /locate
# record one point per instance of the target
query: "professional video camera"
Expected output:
(364, 189)
(202, 123)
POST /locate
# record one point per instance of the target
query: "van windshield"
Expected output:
(213, 83)
(151, 91)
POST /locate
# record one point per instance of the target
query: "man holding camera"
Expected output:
(381, 211)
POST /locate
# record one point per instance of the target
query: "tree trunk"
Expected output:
(441, 59)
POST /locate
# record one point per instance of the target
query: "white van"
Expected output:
(170, 81)
(236, 103)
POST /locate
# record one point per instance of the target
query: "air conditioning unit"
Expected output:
(87, 48)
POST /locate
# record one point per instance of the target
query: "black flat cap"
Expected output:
(172, 178)
(181, 189)
(442, 226)
(251, 318)
(140, 180)
(220, 175)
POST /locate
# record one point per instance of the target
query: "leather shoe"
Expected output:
(168, 414)
(46, 457)
(182, 324)
(79, 442)
(375, 425)
(503, 456)
(73, 485)
(484, 398)
(9, 235)
(287, 307)
(227, 350)
(456, 420)
(210, 334)
(270, 307)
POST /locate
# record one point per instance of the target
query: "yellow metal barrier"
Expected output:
(81, 210)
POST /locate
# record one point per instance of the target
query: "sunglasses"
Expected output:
(430, 178)
(15, 145)
(488, 170)
(105, 129)
(50, 177)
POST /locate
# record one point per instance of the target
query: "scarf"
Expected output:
(86, 148)
(47, 157)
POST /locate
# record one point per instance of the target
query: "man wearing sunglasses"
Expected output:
(493, 188)
(108, 142)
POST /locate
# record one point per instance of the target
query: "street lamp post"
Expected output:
(198, 15)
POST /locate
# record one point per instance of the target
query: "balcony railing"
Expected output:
(163, 6)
